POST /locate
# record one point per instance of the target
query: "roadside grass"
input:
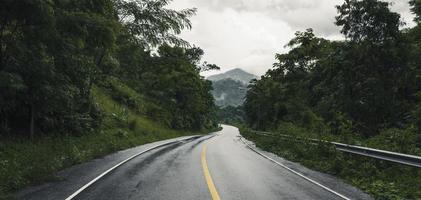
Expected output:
(25, 162)
(382, 180)
(406, 141)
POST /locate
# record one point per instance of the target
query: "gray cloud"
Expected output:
(248, 33)
(298, 14)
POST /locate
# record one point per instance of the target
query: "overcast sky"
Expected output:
(246, 34)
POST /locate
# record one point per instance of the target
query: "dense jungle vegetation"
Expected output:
(363, 85)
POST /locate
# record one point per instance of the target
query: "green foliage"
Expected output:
(368, 20)
(124, 95)
(151, 23)
(284, 93)
(174, 82)
(53, 52)
(380, 77)
(364, 84)
(382, 180)
(398, 140)
(231, 115)
(416, 9)
(54, 65)
(417, 114)
(123, 128)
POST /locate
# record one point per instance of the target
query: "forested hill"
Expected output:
(53, 53)
(229, 88)
(234, 74)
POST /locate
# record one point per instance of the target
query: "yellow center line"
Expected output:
(209, 181)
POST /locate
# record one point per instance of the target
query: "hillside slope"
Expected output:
(124, 125)
(228, 92)
(230, 88)
(235, 74)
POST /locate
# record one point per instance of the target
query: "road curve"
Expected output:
(219, 167)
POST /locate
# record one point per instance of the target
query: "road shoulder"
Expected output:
(72, 178)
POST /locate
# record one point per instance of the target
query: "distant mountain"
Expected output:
(235, 74)
(230, 88)
(228, 92)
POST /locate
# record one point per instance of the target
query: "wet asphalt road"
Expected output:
(176, 172)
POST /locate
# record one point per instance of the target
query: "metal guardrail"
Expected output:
(405, 159)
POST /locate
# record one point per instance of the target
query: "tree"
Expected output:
(375, 67)
(368, 20)
(284, 93)
(414, 36)
(34, 45)
(175, 83)
(367, 82)
(151, 23)
(52, 52)
(416, 9)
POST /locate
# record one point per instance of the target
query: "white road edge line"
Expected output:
(295, 172)
(121, 163)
